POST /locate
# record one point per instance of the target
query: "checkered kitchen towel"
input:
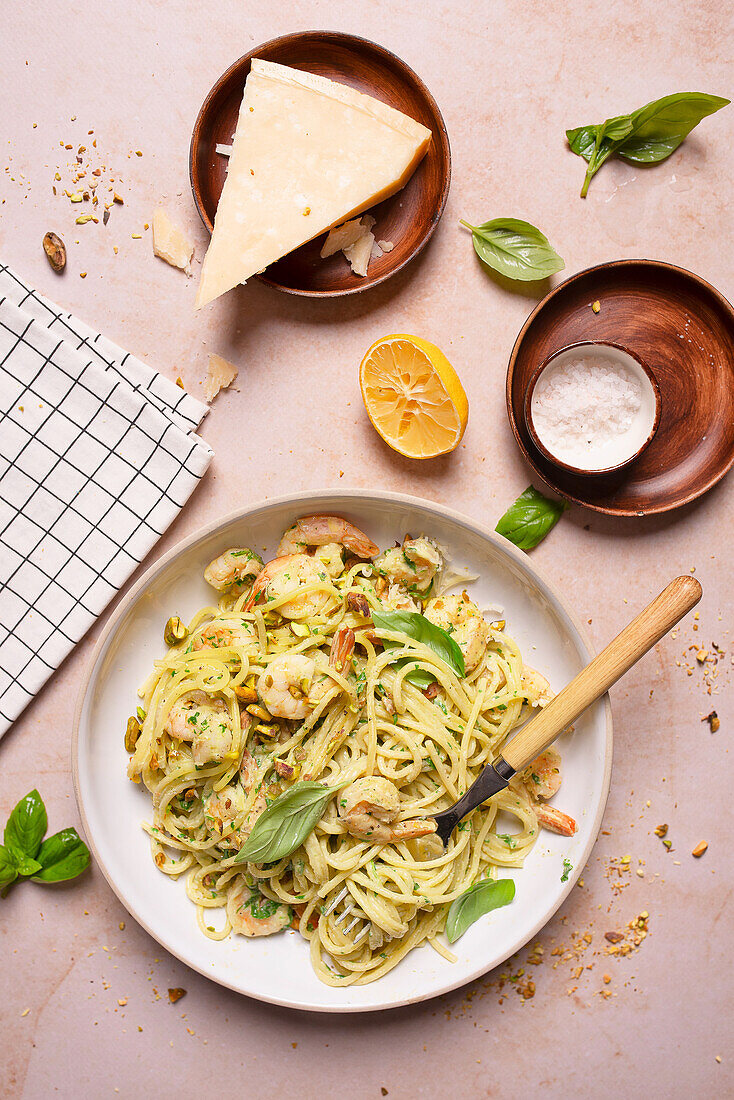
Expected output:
(98, 454)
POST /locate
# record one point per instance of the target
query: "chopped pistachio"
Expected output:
(174, 631)
(132, 733)
(259, 712)
(55, 251)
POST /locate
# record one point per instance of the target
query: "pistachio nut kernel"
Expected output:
(55, 251)
(175, 631)
(132, 733)
(245, 694)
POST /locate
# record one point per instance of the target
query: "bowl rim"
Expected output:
(350, 498)
(601, 505)
(442, 137)
(582, 471)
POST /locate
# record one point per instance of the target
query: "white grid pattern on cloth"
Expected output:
(97, 457)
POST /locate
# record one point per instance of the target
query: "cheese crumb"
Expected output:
(220, 375)
(170, 242)
(356, 240)
(341, 237)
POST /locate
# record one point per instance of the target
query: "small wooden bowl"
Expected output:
(642, 370)
(683, 328)
(408, 218)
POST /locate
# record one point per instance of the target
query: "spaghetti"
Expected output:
(285, 679)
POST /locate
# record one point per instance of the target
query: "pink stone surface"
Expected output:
(509, 77)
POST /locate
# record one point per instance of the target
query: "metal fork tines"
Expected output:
(347, 911)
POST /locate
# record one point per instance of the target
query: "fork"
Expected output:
(618, 657)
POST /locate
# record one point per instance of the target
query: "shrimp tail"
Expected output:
(342, 648)
(411, 830)
(555, 820)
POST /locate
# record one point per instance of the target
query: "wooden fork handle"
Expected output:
(592, 682)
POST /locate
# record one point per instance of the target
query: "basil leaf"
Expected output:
(28, 867)
(530, 518)
(647, 136)
(25, 827)
(661, 126)
(62, 856)
(583, 140)
(421, 629)
(8, 867)
(286, 823)
(515, 249)
(479, 899)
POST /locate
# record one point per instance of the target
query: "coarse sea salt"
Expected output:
(592, 410)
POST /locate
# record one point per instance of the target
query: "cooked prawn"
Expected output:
(224, 810)
(285, 576)
(414, 565)
(320, 530)
(463, 620)
(204, 721)
(535, 686)
(287, 687)
(542, 779)
(369, 808)
(235, 566)
(284, 685)
(252, 914)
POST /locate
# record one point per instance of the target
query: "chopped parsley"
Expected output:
(567, 868)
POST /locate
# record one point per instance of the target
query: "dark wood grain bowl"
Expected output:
(683, 328)
(407, 218)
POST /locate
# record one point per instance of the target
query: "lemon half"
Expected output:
(413, 396)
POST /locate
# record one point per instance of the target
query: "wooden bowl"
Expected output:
(408, 218)
(631, 361)
(684, 330)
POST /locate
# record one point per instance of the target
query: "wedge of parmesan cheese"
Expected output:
(170, 242)
(220, 374)
(308, 154)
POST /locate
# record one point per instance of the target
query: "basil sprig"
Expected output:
(286, 823)
(479, 899)
(645, 136)
(515, 249)
(26, 854)
(420, 629)
(530, 518)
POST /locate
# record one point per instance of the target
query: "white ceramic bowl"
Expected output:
(277, 968)
(619, 452)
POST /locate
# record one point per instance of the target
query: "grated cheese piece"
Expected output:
(386, 246)
(220, 374)
(341, 237)
(170, 242)
(224, 150)
(359, 254)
